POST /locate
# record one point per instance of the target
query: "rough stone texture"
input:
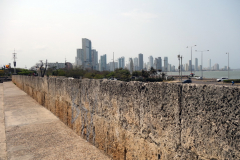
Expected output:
(137, 120)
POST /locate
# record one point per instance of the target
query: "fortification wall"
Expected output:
(137, 120)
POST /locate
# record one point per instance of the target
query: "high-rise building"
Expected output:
(150, 60)
(173, 68)
(131, 65)
(165, 64)
(158, 63)
(145, 66)
(79, 60)
(186, 67)
(209, 64)
(140, 61)
(103, 63)
(169, 68)
(121, 62)
(94, 59)
(135, 64)
(200, 67)
(87, 48)
(189, 65)
(113, 66)
(196, 64)
(216, 67)
(86, 57)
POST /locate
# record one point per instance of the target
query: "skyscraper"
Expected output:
(94, 59)
(79, 60)
(169, 67)
(103, 63)
(150, 60)
(209, 64)
(165, 64)
(113, 66)
(196, 64)
(140, 61)
(121, 62)
(87, 48)
(135, 64)
(131, 65)
(158, 63)
(189, 65)
(216, 67)
(84, 56)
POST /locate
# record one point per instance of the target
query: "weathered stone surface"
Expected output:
(137, 120)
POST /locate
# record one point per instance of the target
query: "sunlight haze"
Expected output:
(53, 30)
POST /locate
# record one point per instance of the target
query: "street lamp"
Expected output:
(191, 55)
(228, 64)
(202, 58)
(179, 66)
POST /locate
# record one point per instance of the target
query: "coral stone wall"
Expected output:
(137, 120)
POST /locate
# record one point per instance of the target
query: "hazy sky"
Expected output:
(53, 29)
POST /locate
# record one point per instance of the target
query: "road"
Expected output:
(206, 81)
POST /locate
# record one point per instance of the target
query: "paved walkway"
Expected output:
(30, 131)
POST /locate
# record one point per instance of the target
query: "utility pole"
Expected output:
(202, 59)
(14, 61)
(179, 66)
(228, 64)
(191, 55)
(113, 63)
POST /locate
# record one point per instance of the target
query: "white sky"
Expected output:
(53, 29)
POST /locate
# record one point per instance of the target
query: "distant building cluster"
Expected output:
(87, 58)
(196, 67)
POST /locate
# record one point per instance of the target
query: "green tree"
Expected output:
(145, 74)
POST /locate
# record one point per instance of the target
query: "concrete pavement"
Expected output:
(30, 131)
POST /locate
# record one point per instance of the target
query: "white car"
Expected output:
(221, 79)
(199, 78)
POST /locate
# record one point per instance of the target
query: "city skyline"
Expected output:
(50, 30)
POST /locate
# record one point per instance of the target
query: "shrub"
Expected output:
(230, 81)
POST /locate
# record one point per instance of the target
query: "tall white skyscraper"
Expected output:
(209, 64)
(135, 64)
(79, 60)
(86, 57)
(150, 60)
(121, 62)
(113, 66)
(216, 66)
(94, 59)
(131, 65)
(196, 64)
(140, 61)
(103, 63)
(165, 64)
(87, 48)
(158, 63)
(169, 68)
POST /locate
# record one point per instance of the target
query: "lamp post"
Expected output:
(191, 55)
(202, 58)
(228, 64)
(179, 66)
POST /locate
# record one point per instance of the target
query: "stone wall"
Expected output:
(137, 120)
